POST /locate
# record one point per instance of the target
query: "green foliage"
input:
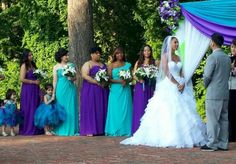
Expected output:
(147, 16)
(114, 26)
(11, 73)
(200, 91)
(39, 25)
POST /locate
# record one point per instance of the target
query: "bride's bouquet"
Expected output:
(102, 77)
(125, 75)
(69, 71)
(40, 74)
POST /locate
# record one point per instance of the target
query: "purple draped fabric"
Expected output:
(208, 28)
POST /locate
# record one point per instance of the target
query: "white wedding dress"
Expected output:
(170, 119)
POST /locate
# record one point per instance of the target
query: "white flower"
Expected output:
(69, 71)
(101, 76)
(39, 74)
(125, 75)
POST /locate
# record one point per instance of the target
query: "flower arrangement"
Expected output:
(147, 73)
(40, 74)
(125, 75)
(140, 73)
(151, 71)
(170, 13)
(69, 71)
(102, 77)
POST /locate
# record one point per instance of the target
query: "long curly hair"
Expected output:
(141, 56)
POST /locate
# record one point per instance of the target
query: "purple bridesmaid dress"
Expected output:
(93, 106)
(140, 100)
(30, 100)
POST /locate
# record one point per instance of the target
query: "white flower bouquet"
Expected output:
(140, 73)
(151, 71)
(125, 75)
(102, 77)
(69, 71)
(147, 73)
(40, 74)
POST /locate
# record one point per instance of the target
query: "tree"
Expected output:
(80, 27)
(114, 25)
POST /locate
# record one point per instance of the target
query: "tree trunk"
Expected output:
(80, 27)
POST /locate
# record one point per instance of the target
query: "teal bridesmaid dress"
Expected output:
(66, 95)
(119, 116)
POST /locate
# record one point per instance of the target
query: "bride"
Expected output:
(170, 119)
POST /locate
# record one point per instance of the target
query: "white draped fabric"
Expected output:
(195, 46)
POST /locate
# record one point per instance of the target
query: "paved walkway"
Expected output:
(104, 150)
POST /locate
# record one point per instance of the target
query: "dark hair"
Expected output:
(234, 42)
(9, 93)
(118, 50)
(95, 49)
(25, 59)
(165, 45)
(47, 86)
(60, 53)
(1, 102)
(141, 56)
(218, 39)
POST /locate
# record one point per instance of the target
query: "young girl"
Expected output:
(49, 114)
(2, 118)
(11, 117)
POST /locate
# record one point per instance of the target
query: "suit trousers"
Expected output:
(217, 123)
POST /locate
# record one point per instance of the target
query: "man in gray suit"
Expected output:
(216, 77)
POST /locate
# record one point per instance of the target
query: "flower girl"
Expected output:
(2, 118)
(49, 114)
(11, 115)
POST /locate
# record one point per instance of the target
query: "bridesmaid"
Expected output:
(118, 122)
(65, 93)
(142, 93)
(30, 94)
(93, 97)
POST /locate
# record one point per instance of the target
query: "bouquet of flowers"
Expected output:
(40, 74)
(151, 71)
(140, 73)
(170, 13)
(125, 75)
(69, 71)
(147, 73)
(102, 77)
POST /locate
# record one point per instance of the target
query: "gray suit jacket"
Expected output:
(216, 75)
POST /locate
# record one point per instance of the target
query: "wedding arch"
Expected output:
(201, 20)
